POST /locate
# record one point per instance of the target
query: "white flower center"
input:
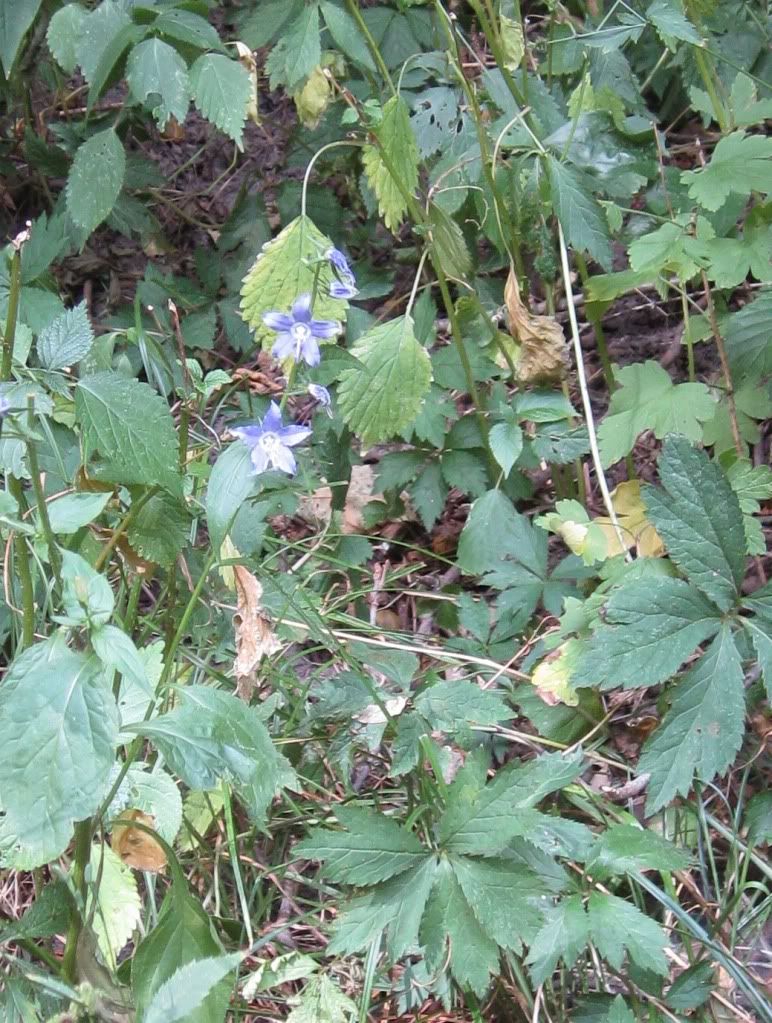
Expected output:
(270, 442)
(301, 332)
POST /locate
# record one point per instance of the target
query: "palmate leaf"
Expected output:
(703, 730)
(58, 730)
(95, 179)
(130, 426)
(628, 848)
(698, 515)
(221, 90)
(155, 70)
(563, 935)
(396, 140)
(212, 736)
(372, 849)
(647, 399)
(652, 625)
(492, 530)
(616, 925)
(290, 264)
(385, 395)
(739, 164)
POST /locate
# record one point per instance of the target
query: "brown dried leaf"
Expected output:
(136, 847)
(254, 634)
(543, 350)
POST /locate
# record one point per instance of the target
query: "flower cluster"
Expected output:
(298, 337)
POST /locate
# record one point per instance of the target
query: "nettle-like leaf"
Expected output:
(115, 906)
(322, 1001)
(155, 69)
(290, 264)
(469, 894)
(160, 529)
(95, 179)
(131, 427)
(222, 90)
(67, 339)
(298, 51)
(739, 165)
(385, 395)
(212, 736)
(64, 34)
(703, 730)
(396, 140)
(579, 213)
(179, 997)
(647, 399)
(58, 730)
(698, 515)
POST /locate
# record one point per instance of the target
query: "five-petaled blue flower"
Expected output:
(299, 335)
(322, 395)
(270, 442)
(346, 285)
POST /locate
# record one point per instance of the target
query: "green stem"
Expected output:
(127, 520)
(372, 46)
(707, 78)
(78, 875)
(25, 572)
(54, 553)
(9, 336)
(597, 326)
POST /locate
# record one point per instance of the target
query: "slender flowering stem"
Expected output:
(312, 161)
(416, 281)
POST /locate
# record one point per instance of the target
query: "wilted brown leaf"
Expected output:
(135, 846)
(543, 350)
(254, 634)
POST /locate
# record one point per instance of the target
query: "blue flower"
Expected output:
(299, 335)
(270, 442)
(346, 285)
(322, 395)
(5, 405)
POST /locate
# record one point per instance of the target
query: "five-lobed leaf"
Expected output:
(739, 164)
(385, 395)
(647, 399)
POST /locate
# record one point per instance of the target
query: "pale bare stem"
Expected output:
(312, 161)
(582, 377)
(417, 281)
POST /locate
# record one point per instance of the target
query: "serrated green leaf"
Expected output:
(211, 736)
(183, 993)
(428, 492)
(290, 264)
(483, 821)
(67, 339)
(346, 35)
(155, 70)
(458, 703)
(580, 215)
(98, 30)
(187, 27)
(131, 427)
(182, 935)
(321, 1001)
(752, 484)
(619, 1012)
(48, 915)
(652, 626)
(760, 633)
(758, 818)
(115, 907)
(671, 24)
(625, 848)
(117, 652)
(385, 395)
(747, 339)
(739, 164)
(154, 793)
(64, 33)
(703, 730)
(372, 849)
(506, 442)
(95, 179)
(58, 730)
(692, 988)
(698, 515)
(647, 399)
(222, 90)
(505, 898)
(16, 17)
(395, 907)
(298, 51)
(465, 470)
(448, 243)
(563, 936)
(395, 137)
(491, 531)
(160, 529)
(616, 925)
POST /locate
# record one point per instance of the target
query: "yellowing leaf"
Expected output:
(542, 343)
(135, 846)
(552, 677)
(635, 527)
(313, 99)
(118, 906)
(395, 135)
(255, 638)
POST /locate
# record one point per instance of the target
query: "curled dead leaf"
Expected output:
(135, 846)
(543, 350)
(552, 677)
(635, 527)
(253, 630)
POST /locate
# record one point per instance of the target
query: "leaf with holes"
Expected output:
(156, 71)
(222, 90)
